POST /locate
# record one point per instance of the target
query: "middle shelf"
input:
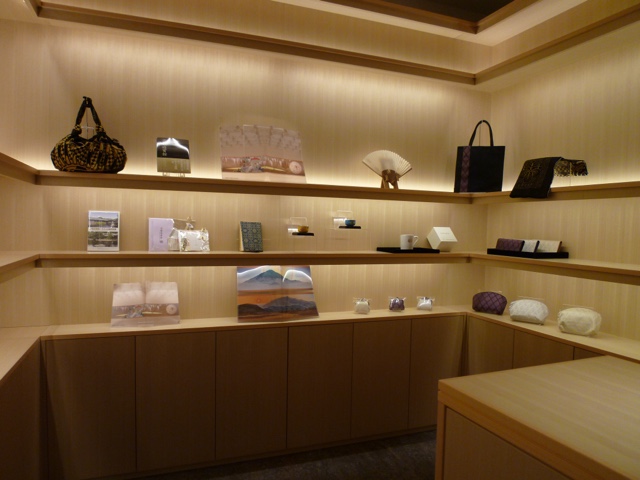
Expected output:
(222, 259)
(579, 268)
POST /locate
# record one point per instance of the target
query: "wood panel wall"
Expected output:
(587, 110)
(146, 86)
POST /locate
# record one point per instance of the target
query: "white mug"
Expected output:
(408, 241)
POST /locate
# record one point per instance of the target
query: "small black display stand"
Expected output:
(356, 227)
(300, 234)
(539, 255)
(415, 250)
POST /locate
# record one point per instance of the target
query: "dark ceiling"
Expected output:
(470, 10)
(465, 15)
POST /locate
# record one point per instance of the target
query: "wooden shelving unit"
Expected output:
(10, 262)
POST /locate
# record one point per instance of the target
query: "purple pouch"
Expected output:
(489, 302)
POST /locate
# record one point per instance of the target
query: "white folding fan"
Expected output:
(389, 165)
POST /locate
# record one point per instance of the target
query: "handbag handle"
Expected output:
(473, 136)
(88, 103)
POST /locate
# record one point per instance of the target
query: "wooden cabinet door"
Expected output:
(580, 353)
(530, 350)
(175, 394)
(473, 452)
(91, 407)
(251, 392)
(21, 419)
(319, 392)
(436, 353)
(381, 365)
(489, 347)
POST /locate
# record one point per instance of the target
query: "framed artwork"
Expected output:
(275, 293)
(261, 154)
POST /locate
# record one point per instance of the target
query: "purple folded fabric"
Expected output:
(510, 244)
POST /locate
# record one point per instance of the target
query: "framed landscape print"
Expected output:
(279, 293)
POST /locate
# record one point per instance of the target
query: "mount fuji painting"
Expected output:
(275, 293)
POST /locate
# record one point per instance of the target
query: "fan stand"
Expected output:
(389, 177)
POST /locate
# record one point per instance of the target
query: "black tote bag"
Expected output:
(479, 169)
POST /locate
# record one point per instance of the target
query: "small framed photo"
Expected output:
(173, 155)
(104, 231)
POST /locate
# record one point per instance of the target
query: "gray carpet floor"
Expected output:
(407, 457)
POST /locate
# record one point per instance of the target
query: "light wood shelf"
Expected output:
(603, 271)
(218, 259)
(12, 168)
(568, 267)
(15, 263)
(212, 185)
(578, 192)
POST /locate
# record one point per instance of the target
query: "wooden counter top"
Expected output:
(58, 332)
(602, 343)
(580, 417)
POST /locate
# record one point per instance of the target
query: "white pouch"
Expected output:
(361, 305)
(530, 311)
(579, 321)
(425, 303)
(193, 240)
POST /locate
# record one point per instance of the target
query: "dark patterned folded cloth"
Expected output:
(535, 178)
(564, 168)
(536, 175)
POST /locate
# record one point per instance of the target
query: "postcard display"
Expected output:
(103, 234)
(261, 154)
(145, 304)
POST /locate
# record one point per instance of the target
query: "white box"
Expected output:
(441, 238)
(159, 231)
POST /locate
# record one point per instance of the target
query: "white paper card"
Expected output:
(551, 246)
(530, 246)
(159, 232)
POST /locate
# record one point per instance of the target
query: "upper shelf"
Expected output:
(12, 168)
(191, 184)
